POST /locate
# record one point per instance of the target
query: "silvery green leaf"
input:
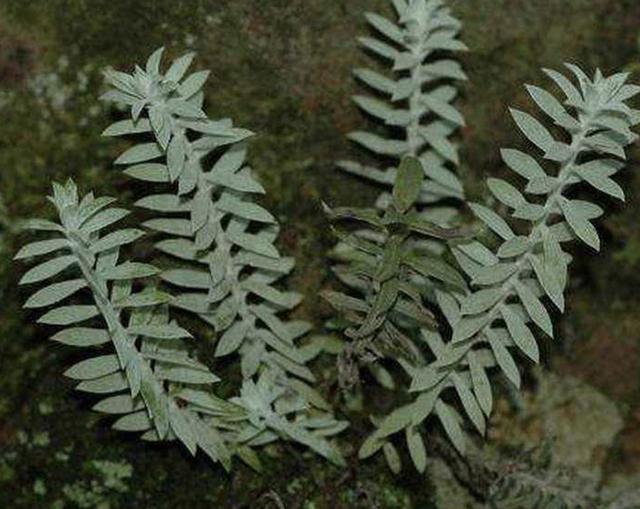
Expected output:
(542, 185)
(574, 96)
(232, 339)
(587, 209)
(495, 273)
(505, 192)
(436, 268)
(449, 307)
(416, 447)
(41, 225)
(41, 247)
(95, 367)
(192, 84)
(480, 301)
(470, 404)
(375, 107)
(162, 203)
(149, 172)
(555, 260)
(378, 144)
(444, 41)
(449, 419)
(114, 382)
(120, 404)
(529, 211)
(67, 315)
(254, 243)
(128, 126)
(143, 299)
(521, 334)
(478, 252)
(385, 27)
(404, 61)
(378, 47)
(480, 382)
(523, 164)
(138, 421)
(514, 247)
(103, 219)
(47, 269)
(426, 378)
(270, 294)
(580, 224)
(375, 80)
(392, 457)
(54, 293)
(119, 97)
(187, 278)
(82, 337)
(116, 239)
(549, 281)
(244, 209)
(446, 149)
(617, 125)
(600, 181)
(176, 157)
(159, 331)
(140, 153)
(370, 446)
(408, 182)
(444, 69)
(504, 359)
(242, 182)
(492, 220)
(533, 129)
(178, 227)
(129, 270)
(534, 307)
(468, 327)
(153, 62)
(178, 67)
(606, 143)
(186, 375)
(552, 107)
(93, 207)
(560, 152)
(443, 109)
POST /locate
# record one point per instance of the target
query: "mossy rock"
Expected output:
(283, 69)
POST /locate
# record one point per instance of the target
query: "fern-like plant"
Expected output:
(415, 104)
(417, 99)
(147, 356)
(385, 271)
(226, 265)
(493, 325)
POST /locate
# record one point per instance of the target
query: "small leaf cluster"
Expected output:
(416, 106)
(385, 268)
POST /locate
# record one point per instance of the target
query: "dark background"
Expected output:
(282, 68)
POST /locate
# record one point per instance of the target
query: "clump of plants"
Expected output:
(431, 304)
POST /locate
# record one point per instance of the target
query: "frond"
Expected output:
(416, 98)
(142, 354)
